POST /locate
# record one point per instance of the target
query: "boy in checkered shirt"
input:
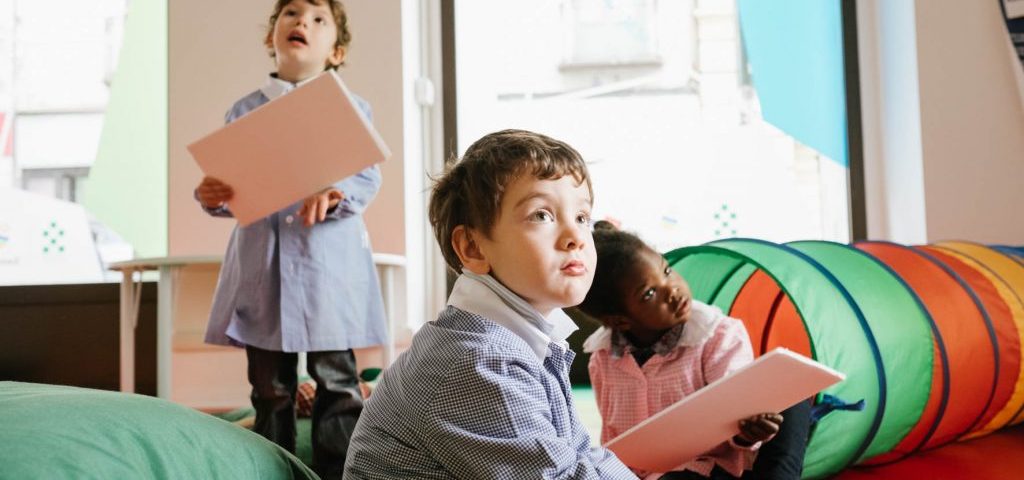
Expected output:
(483, 392)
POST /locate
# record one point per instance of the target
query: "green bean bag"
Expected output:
(58, 432)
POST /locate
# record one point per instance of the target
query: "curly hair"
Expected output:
(618, 252)
(337, 11)
(469, 192)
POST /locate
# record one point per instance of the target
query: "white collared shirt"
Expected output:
(485, 296)
(275, 87)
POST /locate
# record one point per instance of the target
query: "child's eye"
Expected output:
(648, 294)
(289, 13)
(542, 216)
(583, 219)
(668, 271)
(319, 20)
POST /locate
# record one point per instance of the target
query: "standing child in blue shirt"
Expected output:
(483, 392)
(301, 279)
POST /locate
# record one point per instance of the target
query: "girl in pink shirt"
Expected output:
(657, 345)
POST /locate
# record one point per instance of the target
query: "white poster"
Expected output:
(45, 241)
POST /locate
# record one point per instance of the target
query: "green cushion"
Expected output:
(58, 432)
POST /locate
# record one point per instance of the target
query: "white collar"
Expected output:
(485, 296)
(699, 328)
(275, 87)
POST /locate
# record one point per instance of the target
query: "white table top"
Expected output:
(153, 263)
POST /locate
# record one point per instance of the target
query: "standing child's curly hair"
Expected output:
(617, 253)
(469, 192)
(337, 11)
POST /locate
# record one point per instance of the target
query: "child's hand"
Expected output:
(212, 193)
(758, 428)
(315, 208)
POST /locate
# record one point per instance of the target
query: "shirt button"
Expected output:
(289, 219)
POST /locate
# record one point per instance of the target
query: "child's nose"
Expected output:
(572, 238)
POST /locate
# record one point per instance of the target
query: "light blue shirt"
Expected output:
(473, 399)
(287, 287)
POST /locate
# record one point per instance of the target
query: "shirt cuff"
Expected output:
(221, 210)
(752, 448)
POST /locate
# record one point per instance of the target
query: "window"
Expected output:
(658, 98)
(604, 34)
(56, 63)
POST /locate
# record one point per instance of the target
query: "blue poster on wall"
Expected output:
(795, 52)
(1013, 11)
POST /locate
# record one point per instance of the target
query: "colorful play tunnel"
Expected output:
(928, 336)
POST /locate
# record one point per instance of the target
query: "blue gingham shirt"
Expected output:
(287, 287)
(477, 398)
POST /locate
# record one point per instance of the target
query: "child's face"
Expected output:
(540, 246)
(304, 40)
(656, 297)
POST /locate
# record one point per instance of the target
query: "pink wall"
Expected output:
(374, 72)
(972, 123)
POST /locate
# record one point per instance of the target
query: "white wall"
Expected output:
(893, 170)
(943, 122)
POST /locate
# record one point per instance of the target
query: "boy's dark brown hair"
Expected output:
(470, 190)
(337, 11)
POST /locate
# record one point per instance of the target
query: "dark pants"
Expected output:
(782, 458)
(336, 406)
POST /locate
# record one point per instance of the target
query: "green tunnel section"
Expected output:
(901, 327)
(732, 286)
(838, 333)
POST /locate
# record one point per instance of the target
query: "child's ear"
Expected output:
(337, 57)
(616, 322)
(469, 252)
(269, 41)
